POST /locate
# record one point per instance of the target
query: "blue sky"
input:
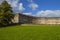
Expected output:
(43, 5)
(49, 4)
(40, 8)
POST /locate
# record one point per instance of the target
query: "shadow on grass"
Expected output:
(9, 25)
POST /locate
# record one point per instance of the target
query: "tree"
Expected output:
(6, 13)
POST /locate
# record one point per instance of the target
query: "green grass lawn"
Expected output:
(30, 32)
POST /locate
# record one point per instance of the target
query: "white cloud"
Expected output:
(33, 6)
(17, 7)
(48, 13)
(27, 13)
(13, 2)
(1, 1)
(21, 8)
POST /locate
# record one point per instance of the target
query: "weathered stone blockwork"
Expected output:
(20, 18)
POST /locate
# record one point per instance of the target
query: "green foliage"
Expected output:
(6, 13)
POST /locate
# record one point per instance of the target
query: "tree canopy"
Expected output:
(6, 13)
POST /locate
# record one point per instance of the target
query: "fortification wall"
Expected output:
(19, 18)
(48, 21)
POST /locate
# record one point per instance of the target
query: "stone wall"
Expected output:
(16, 18)
(48, 21)
(20, 18)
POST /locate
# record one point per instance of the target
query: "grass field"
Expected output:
(30, 32)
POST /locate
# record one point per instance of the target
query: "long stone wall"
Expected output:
(20, 18)
(48, 21)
